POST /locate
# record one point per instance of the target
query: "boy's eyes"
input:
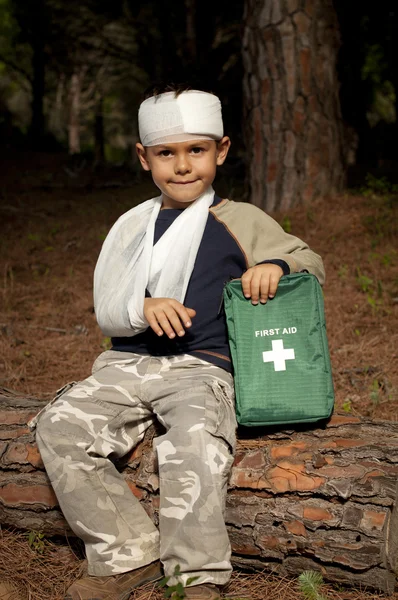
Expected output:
(197, 150)
(194, 150)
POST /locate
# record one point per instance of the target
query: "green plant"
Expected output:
(383, 259)
(375, 390)
(310, 583)
(286, 224)
(346, 406)
(106, 343)
(343, 272)
(383, 195)
(34, 237)
(177, 590)
(372, 289)
(36, 540)
(364, 282)
(372, 302)
(102, 234)
(378, 186)
(54, 230)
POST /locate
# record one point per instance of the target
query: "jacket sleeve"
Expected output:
(262, 238)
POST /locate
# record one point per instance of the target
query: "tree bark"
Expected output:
(56, 120)
(33, 23)
(74, 111)
(190, 20)
(99, 137)
(323, 498)
(38, 88)
(292, 119)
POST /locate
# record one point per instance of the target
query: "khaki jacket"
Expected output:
(261, 238)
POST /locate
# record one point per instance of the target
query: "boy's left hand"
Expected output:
(261, 282)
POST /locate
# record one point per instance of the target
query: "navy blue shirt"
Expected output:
(219, 259)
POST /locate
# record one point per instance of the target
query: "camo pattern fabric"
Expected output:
(102, 418)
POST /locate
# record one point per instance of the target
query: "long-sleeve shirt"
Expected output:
(237, 236)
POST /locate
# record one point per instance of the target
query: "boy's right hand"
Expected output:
(166, 315)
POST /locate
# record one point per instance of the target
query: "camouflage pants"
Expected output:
(103, 418)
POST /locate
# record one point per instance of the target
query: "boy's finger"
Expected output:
(165, 324)
(255, 287)
(264, 289)
(153, 324)
(273, 285)
(175, 322)
(184, 315)
(246, 279)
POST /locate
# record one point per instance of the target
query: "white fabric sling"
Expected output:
(129, 263)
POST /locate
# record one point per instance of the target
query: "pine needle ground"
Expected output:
(52, 231)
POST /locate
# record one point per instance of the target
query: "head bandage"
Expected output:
(191, 115)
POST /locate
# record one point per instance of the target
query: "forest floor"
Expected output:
(54, 217)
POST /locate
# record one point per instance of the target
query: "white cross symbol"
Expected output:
(278, 355)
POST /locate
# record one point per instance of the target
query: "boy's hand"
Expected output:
(261, 282)
(168, 316)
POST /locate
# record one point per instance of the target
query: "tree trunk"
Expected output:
(74, 111)
(33, 23)
(161, 65)
(190, 20)
(99, 138)
(293, 126)
(38, 88)
(323, 499)
(56, 120)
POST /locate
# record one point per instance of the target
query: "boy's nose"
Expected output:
(182, 164)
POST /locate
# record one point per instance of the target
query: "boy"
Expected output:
(157, 290)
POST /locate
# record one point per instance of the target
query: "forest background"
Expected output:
(310, 99)
(72, 74)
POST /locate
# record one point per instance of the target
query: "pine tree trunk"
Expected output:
(99, 137)
(36, 21)
(190, 20)
(38, 88)
(293, 126)
(320, 499)
(74, 112)
(56, 120)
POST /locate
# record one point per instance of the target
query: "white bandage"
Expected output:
(191, 115)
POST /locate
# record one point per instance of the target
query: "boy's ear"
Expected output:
(141, 153)
(222, 149)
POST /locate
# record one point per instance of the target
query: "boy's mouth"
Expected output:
(183, 182)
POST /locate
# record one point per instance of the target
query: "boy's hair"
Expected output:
(178, 88)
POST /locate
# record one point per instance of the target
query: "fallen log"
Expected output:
(323, 498)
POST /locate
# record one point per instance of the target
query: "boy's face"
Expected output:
(183, 170)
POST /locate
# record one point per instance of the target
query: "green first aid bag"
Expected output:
(280, 353)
